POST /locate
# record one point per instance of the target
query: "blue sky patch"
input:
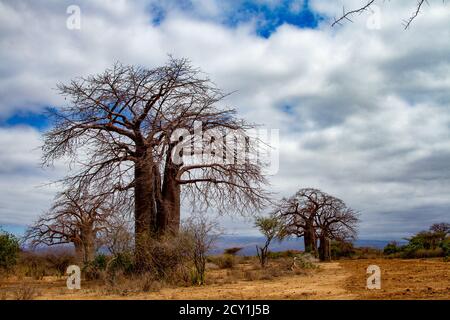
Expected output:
(36, 120)
(267, 16)
(270, 17)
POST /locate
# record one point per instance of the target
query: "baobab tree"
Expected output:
(347, 15)
(75, 218)
(335, 221)
(316, 215)
(299, 213)
(124, 126)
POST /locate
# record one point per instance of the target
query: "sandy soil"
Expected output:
(345, 279)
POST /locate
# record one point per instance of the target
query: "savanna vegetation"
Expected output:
(145, 142)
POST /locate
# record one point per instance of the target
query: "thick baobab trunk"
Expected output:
(145, 206)
(324, 249)
(88, 244)
(79, 256)
(169, 211)
(309, 238)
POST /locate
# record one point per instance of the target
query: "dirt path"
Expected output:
(328, 282)
(346, 279)
(400, 279)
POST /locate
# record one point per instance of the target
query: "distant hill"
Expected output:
(248, 244)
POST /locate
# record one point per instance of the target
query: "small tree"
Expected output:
(9, 249)
(441, 230)
(203, 232)
(76, 217)
(271, 227)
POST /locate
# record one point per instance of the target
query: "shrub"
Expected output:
(100, 262)
(304, 261)
(423, 253)
(391, 248)
(34, 265)
(284, 254)
(59, 261)
(39, 265)
(225, 261)
(251, 275)
(445, 246)
(96, 268)
(201, 233)
(9, 250)
(367, 253)
(341, 249)
(121, 263)
(168, 257)
(26, 292)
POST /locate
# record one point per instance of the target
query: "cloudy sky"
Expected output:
(362, 108)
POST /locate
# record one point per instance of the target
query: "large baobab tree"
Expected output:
(316, 215)
(126, 125)
(299, 213)
(75, 218)
(348, 14)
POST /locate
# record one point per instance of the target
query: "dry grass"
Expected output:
(26, 292)
(345, 279)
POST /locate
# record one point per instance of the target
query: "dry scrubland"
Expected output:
(244, 279)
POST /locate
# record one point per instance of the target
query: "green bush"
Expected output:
(95, 269)
(122, 262)
(100, 262)
(391, 248)
(425, 244)
(9, 250)
(445, 246)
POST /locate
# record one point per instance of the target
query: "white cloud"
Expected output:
(366, 111)
(24, 186)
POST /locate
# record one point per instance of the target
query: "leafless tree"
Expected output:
(299, 213)
(75, 218)
(203, 233)
(441, 230)
(347, 15)
(442, 227)
(316, 215)
(117, 236)
(335, 221)
(119, 128)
